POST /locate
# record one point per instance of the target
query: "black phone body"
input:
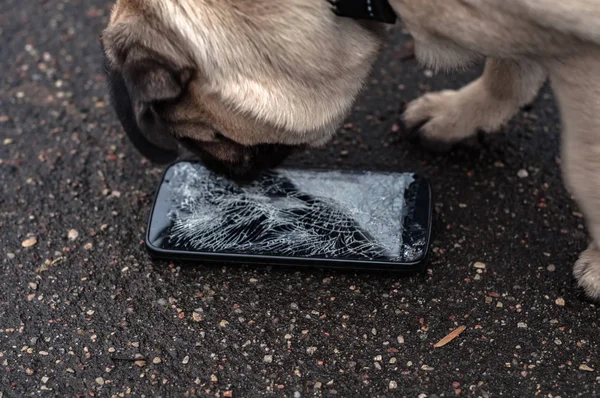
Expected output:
(320, 218)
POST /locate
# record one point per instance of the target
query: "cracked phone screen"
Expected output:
(289, 213)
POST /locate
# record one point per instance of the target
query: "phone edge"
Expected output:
(415, 266)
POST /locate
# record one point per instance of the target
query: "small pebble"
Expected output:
(88, 246)
(45, 379)
(29, 242)
(560, 301)
(426, 367)
(186, 360)
(400, 340)
(100, 381)
(140, 363)
(523, 173)
(311, 350)
(428, 73)
(586, 368)
(268, 359)
(8, 141)
(551, 268)
(393, 385)
(156, 360)
(72, 234)
(214, 378)
(522, 325)
(393, 360)
(297, 394)
(479, 265)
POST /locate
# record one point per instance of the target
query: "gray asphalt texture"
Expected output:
(95, 316)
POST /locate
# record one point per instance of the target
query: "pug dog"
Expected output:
(246, 82)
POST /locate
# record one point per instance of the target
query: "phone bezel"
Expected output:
(418, 200)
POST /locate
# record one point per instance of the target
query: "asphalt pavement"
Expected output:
(84, 310)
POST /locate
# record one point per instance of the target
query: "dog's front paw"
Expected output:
(441, 119)
(587, 272)
(447, 117)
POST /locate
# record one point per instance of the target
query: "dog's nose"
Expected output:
(239, 162)
(245, 167)
(241, 172)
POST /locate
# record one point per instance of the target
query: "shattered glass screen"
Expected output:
(290, 213)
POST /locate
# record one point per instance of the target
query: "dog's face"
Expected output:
(241, 82)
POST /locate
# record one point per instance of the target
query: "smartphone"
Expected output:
(322, 218)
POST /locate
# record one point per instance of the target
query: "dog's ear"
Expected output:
(153, 65)
(151, 81)
(142, 74)
(159, 147)
(151, 78)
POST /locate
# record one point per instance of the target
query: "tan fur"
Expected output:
(286, 72)
(265, 61)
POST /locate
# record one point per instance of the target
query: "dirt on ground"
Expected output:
(84, 310)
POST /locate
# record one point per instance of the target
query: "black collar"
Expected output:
(374, 10)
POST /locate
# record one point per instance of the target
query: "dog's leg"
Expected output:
(485, 104)
(575, 82)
